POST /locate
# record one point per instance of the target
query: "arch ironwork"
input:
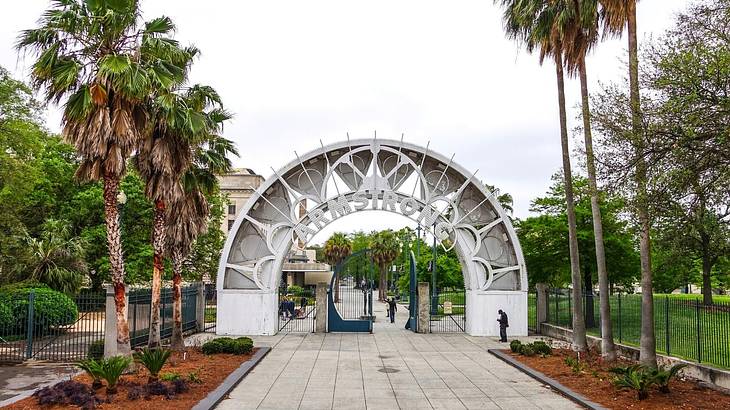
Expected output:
(339, 179)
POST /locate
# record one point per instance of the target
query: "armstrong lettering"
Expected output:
(386, 200)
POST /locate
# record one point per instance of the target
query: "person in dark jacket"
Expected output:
(503, 325)
(392, 308)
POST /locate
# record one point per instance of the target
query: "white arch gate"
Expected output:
(361, 175)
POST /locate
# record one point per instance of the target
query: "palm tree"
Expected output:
(163, 156)
(385, 247)
(618, 14)
(188, 216)
(336, 249)
(539, 25)
(105, 62)
(582, 28)
(57, 259)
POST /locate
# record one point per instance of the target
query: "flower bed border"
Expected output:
(220, 392)
(542, 378)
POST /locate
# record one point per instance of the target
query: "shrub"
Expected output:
(180, 386)
(170, 377)
(295, 290)
(515, 346)
(112, 369)
(663, 376)
(153, 360)
(575, 364)
(636, 378)
(241, 345)
(94, 370)
(66, 393)
(51, 308)
(159, 389)
(96, 350)
(527, 350)
(542, 348)
(194, 378)
(6, 316)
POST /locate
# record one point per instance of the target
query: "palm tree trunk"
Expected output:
(647, 351)
(158, 245)
(116, 260)
(381, 284)
(608, 349)
(579, 326)
(177, 333)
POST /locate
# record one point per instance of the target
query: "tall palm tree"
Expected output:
(385, 247)
(618, 14)
(336, 249)
(582, 30)
(104, 61)
(164, 155)
(57, 258)
(188, 215)
(539, 25)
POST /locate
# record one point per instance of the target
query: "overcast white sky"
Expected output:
(295, 72)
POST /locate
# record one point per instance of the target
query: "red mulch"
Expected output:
(211, 369)
(595, 383)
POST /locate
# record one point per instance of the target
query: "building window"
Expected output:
(231, 209)
(230, 224)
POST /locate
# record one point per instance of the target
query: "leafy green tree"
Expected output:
(104, 62)
(543, 238)
(57, 259)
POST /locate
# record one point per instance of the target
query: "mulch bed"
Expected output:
(595, 383)
(211, 369)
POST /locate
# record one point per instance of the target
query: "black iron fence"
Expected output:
(532, 312)
(684, 327)
(447, 310)
(297, 310)
(211, 307)
(140, 301)
(43, 326)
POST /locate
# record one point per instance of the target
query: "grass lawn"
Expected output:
(683, 327)
(210, 314)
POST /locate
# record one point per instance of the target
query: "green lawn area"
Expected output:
(683, 327)
(210, 314)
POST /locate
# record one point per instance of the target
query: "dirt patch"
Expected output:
(594, 382)
(211, 370)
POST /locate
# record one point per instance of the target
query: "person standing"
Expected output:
(392, 308)
(503, 325)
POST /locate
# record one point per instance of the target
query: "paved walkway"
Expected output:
(390, 369)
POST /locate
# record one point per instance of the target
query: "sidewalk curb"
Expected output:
(217, 395)
(542, 378)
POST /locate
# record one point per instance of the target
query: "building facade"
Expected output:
(238, 185)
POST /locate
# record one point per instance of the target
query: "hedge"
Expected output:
(241, 345)
(51, 308)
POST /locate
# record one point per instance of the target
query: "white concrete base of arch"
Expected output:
(254, 312)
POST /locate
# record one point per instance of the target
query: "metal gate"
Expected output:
(65, 332)
(448, 310)
(297, 310)
(350, 295)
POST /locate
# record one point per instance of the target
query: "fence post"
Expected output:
(199, 306)
(666, 323)
(110, 321)
(424, 320)
(29, 330)
(699, 334)
(542, 305)
(320, 304)
(557, 309)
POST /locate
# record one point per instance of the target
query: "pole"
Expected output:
(418, 241)
(434, 293)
